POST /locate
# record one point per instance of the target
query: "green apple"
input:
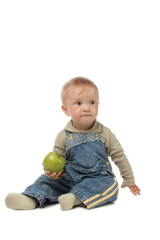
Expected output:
(53, 162)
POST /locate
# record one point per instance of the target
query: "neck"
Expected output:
(83, 127)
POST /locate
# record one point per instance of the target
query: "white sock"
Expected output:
(68, 201)
(18, 201)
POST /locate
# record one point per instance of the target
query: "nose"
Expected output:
(86, 107)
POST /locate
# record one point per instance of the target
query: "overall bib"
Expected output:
(88, 174)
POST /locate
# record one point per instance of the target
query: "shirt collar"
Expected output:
(95, 128)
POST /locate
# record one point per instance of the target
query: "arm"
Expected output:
(59, 148)
(59, 144)
(115, 151)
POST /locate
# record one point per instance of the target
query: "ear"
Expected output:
(65, 110)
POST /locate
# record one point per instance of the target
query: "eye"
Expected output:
(78, 103)
(92, 102)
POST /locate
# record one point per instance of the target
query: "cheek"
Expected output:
(73, 112)
(96, 111)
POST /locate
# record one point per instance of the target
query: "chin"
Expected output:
(87, 123)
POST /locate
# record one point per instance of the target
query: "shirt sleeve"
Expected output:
(59, 145)
(115, 151)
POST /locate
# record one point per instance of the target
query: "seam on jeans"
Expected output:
(79, 143)
(78, 195)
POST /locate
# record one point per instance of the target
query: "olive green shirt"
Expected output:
(112, 145)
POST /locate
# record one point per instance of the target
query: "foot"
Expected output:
(68, 201)
(18, 201)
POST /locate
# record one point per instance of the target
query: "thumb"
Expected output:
(123, 186)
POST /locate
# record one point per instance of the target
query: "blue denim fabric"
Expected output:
(88, 172)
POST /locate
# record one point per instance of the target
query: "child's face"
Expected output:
(82, 105)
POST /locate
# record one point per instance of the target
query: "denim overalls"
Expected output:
(88, 174)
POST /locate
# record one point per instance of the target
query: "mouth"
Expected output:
(86, 115)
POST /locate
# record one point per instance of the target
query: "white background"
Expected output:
(42, 45)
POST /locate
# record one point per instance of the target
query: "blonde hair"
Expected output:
(76, 82)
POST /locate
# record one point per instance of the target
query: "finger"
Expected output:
(53, 174)
(132, 190)
(138, 191)
(58, 174)
(137, 188)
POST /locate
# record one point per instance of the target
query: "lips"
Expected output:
(86, 115)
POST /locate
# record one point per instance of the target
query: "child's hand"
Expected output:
(134, 189)
(52, 175)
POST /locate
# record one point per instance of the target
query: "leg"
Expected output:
(47, 190)
(43, 190)
(94, 192)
